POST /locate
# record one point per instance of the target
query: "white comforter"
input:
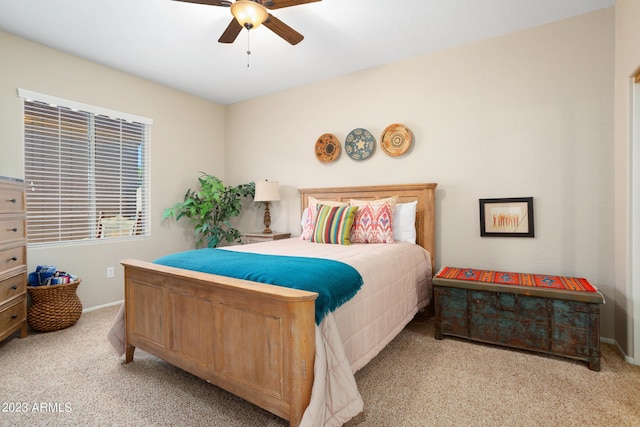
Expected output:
(397, 283)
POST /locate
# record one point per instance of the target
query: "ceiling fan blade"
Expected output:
(231, 32)
(283, 30)
(225, 3)
(279, 4)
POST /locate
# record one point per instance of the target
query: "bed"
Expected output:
(191, 320)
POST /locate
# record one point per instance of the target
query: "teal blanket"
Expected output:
(334, 281)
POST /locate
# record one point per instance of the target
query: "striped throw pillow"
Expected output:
(309, 223)
(333, 224)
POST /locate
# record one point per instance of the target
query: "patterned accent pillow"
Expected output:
(309, 223)
(373, 224)
(391, 200)
(333, 224)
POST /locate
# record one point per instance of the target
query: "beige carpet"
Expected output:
(72, 377)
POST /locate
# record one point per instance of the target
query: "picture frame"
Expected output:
(507, 217)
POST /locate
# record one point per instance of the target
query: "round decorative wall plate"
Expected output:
(359, 144)
(395, 140)
(327, 148)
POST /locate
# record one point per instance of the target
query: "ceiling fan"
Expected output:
(251, 13)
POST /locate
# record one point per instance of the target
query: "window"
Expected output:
(86, 172)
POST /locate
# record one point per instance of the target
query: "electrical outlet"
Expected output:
(110, 272)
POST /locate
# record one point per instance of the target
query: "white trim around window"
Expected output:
(86, 172)
(54, 100)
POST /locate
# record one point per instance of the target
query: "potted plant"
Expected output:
(210, 209)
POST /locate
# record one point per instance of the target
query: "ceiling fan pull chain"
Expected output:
(248, 47)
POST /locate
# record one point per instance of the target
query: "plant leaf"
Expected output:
(210, 208)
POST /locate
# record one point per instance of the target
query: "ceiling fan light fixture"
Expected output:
(249, 13)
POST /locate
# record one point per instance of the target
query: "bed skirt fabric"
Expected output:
(117, 332)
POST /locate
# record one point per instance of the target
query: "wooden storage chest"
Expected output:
(554, 321)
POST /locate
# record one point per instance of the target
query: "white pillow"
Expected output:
(404, 222)
(304, 220)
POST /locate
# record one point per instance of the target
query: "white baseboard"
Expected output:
(98, 307)
(613, 342)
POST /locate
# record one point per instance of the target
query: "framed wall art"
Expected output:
(510, 217)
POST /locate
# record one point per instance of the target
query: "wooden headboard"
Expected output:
(423, 193)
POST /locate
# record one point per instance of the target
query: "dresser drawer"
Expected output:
(12, 287)
(12, 199)
(13, 258)
(12, 229)
(13, 316)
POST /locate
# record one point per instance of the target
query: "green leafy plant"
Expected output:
(210, 209)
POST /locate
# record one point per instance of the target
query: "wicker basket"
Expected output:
(54, 307)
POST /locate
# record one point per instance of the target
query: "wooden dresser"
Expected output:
(13, 258)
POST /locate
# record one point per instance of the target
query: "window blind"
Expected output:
(86, 175)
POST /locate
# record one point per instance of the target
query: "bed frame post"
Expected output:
(303, 352)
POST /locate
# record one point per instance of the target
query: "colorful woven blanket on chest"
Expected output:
(521, 279)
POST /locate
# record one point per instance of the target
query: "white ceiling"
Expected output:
(175, 43)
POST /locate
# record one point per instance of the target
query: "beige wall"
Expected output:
(527, 114)
(187, 136)
(627, 63)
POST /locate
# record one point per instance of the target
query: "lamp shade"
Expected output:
(248, 13)
(267, 191)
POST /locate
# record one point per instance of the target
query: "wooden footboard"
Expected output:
(256, 341)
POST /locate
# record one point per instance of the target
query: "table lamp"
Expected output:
(267, 192)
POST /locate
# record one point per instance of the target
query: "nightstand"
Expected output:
(258, 237)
